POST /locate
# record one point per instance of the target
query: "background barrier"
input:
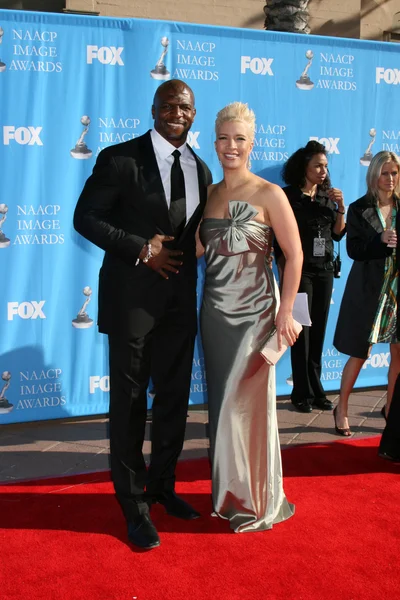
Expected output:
(71, 85)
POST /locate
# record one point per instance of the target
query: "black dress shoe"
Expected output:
(142, 533)
(176, 507)
(386, 456)
(323, 403)
(302, 406)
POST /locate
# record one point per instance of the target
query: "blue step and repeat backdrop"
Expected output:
(71, 85)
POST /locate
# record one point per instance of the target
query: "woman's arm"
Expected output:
(199, 245)
(283, 222)
(339, 228)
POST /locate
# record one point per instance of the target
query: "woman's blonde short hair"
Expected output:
(237, 111)
(375, 168)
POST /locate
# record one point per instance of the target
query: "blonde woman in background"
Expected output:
(368, 312)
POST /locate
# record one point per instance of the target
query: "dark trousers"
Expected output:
(165, 353)
(306, 353)
(390, 441)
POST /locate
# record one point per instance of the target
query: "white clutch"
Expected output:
(270, 351)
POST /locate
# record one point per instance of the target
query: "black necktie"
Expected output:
(177, 210)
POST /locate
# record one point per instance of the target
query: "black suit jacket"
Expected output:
(122, 205)
(364, 284)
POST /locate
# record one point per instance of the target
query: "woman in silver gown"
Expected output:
(240, 309)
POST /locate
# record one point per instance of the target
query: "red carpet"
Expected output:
(65, 539)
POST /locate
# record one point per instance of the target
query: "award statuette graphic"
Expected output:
(2, 65)
(83, 321)
(5, 405)
(4, 241)
(305, 83)
(81, 151)
(366, 159)
(160, 70)
(289, 380)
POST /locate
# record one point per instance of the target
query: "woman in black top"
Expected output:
(319, 211)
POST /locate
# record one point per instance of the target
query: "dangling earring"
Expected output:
(249, 164)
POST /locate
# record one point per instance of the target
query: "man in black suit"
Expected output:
(389, 447)
(142, 205)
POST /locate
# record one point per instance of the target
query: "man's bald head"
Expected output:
(173, 111)
(172, 87)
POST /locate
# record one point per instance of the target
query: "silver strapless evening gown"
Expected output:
(237, 314)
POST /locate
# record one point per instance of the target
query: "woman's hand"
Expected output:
(336, 195)
(285, 327)
(389, 237)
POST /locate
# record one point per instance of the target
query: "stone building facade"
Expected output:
(365, 19)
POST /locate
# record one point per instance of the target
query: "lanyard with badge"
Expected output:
(319, 244)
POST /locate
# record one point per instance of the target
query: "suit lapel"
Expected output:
(371, 216)
(153, 187)
(202, 196)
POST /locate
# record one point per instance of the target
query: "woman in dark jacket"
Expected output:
(369, 306)
(319, 212)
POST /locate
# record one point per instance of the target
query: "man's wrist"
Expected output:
(149, 254)
(145, 254)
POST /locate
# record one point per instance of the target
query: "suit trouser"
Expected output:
(165, 354)
(306, 353)
(390, 441)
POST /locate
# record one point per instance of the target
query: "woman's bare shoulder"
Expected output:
(267, 191)
(211, 188)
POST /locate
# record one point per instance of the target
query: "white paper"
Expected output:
(300, 309)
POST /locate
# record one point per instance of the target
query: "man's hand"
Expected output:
(162, 259)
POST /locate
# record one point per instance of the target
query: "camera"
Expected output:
(337, 267)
